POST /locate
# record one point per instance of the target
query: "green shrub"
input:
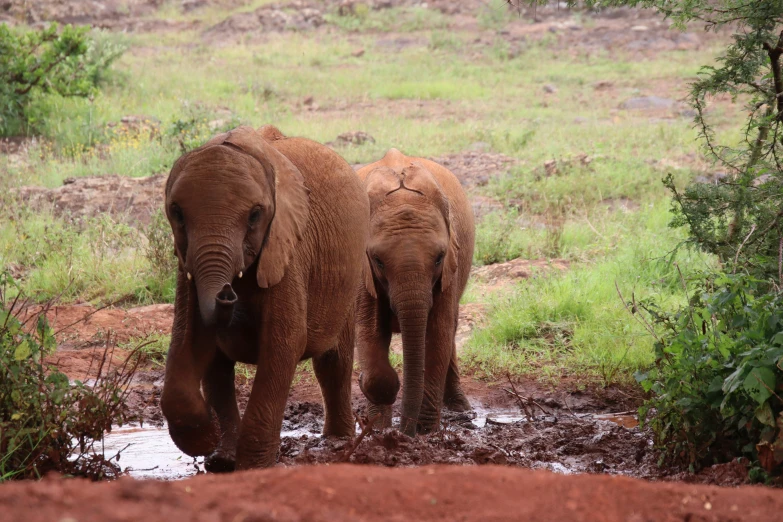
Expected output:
(717, 376)
(198, 125)
(46, 422)
(162, 278)
(64, 61)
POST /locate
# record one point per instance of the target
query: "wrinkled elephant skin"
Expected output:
(417, 266)
(270, 233)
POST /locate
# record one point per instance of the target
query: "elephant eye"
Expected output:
(378, 262)
(255, 216)
(177, 214)
(439, 259)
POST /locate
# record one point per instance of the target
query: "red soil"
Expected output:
(348, 492)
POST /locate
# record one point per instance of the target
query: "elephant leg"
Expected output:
(333, 370)
(453, 397)
(193, 425)
(220, 392)
(378, 379)
(438, 350)
(281, 348)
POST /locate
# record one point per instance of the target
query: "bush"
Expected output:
(162, 278)
(717, 376)
(46, 422)
(66, 61)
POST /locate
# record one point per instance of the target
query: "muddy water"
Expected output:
(148, 452)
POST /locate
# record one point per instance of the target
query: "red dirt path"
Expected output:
(346, 492)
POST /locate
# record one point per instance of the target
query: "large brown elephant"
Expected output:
(418, 261)
(270, 233)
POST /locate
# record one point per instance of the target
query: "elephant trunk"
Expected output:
(412, 301)
(214, 271)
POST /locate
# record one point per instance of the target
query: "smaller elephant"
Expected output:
(418, 261)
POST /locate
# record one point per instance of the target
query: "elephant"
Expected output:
(290, 216)
(417, 265)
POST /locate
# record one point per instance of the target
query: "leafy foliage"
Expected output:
(161, 281)
(718, 361)
(46, 422)
(64, 61)
(717, 377)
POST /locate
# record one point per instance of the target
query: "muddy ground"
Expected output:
(568, 429)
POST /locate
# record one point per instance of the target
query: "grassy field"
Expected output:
(603, 207)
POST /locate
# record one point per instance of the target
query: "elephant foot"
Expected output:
(383, 412)
(343, 428)
(220, 462)
(196, 439)
(380, 388)
(426, 425)
(264, 457)
(457, 402)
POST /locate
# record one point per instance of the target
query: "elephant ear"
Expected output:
(292, 203)
(417, 178)
(379, 183)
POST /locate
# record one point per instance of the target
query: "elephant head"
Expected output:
(231, 203)
(412, 253)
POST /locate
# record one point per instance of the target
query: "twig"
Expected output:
(638, 318)
(366, 428)
(524, 402)
(736, 257)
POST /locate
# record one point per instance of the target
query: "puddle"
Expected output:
(626, 420)
(149, 453)
(486, 416)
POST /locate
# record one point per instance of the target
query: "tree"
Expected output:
(66, 61)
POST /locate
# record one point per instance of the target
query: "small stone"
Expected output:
(640, 28)
(549, 88)
(647, 102)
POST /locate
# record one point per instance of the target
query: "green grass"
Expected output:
(434, 96)
(575, 324)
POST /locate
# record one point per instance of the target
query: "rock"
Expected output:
(640, 28)
(132, 200)
(296, 16)
(192, 5)
(647, 102)
(136, 124)
(218, 124)
(475, 169)
(761, 180)
(549, 88)
(353, 138)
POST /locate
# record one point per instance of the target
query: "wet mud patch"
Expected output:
(561, 443)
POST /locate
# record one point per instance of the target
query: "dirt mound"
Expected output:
(294, 16)
(502, 274)
(131, 200)
(475, 168)
(346, 492)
